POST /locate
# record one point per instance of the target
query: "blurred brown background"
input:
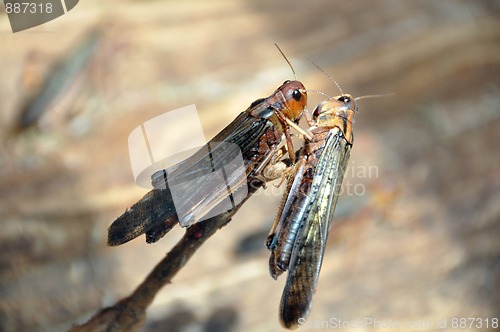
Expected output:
(415, 240)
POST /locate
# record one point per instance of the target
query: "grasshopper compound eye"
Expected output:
(297, 95)
(344, 99)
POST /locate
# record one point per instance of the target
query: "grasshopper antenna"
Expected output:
(318, 92)
(327, 75)
(376, 96)
(284, 56)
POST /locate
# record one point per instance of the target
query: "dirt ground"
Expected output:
(416, 239)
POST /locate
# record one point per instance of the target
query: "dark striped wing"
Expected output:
(243, 132)
(155, 214)
(309, 247)
(153, 210)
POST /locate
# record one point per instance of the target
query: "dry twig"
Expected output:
(129, 313)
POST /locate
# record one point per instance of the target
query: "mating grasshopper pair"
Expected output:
(261, 134)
